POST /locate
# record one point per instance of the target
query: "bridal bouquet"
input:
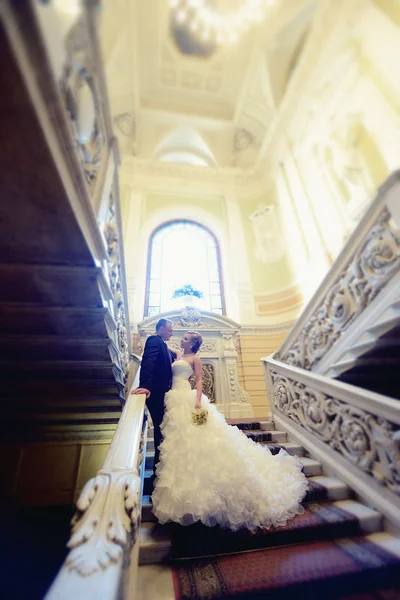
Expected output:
(199, 416)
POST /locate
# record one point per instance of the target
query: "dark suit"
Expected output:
(156, 376)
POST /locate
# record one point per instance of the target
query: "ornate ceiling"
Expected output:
(176, 101)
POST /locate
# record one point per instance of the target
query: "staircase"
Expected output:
(64, 357)
(64, 347)
(378, 369)
(57, 359)
(334, 519)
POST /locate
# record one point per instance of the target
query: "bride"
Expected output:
(213, 472)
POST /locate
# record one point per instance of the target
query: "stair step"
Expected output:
(54, 285)
(66, 432)
(267, 425)
(370, 519)
(252, 423)
(310, 466)
(147, 483)
(358, 568)
(58, 369)
(63, 388)
(326, 488)
(324, 520)
(291, 448)
(149, 460)
(373, 381)
(55, 417)
(154, 543)
(20, 347)
(147, 512)
(266, 436)
(76, 404)
(51, 320)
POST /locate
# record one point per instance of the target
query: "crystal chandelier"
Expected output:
(219, 21)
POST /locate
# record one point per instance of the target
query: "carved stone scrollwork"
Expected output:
(107, 521)
(126, 124)
(82, 100)
(231, 371)
(229, 342)
(114, 270)
(366, 440)
(208, 381)
(234, 389)
(375, 263)
(206, 347)
(190, 317)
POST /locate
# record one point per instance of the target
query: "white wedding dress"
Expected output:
(215, 474)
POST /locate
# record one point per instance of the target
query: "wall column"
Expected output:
(318, 257)
(132, 254)
(245, 312)
(330, 223)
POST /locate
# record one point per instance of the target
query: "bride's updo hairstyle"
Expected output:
(196, 340)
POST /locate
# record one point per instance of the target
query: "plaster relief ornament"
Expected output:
(269, 247)
(348, 161)
(126, 124)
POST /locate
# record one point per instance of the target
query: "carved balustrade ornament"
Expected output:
(114, 270)
(208, 380)
(368, 441)
(373, 265)
(82, 99)
(106, 522)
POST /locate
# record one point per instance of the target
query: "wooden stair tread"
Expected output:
(16, 347)
(43, 321)
(57, 369)
(50, 285)
(70, 388)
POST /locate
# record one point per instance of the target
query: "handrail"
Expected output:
(105, 528)
(368, 261)
(355, 432)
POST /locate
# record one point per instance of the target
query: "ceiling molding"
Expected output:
(244, 102)
(153, 175)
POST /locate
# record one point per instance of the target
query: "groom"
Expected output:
(155, 378)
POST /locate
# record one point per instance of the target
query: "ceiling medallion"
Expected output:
(219, 21)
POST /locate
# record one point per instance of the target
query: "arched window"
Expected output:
(180, 253)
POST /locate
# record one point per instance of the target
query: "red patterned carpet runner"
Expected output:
(320, 520)
(346, 569)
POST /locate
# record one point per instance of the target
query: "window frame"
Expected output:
(149, 254)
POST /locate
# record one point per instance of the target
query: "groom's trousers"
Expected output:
(155, 404)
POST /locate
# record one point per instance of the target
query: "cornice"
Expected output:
(154, 175)
(250, 330)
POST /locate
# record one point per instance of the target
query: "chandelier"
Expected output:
(219, 21)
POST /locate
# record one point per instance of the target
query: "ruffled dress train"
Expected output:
(215, 474)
